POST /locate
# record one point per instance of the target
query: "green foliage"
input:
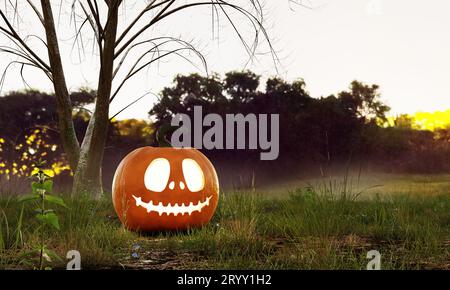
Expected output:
(41, 188)
(49, 218)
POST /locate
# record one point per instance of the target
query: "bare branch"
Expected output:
(36, 11)
(94, 11)
(156, 49)
(91, 22)
(149, 7)
(12, 32)
(22, 53)
(143, 29)
(256, 22)
(166, 39)
(78, 36)
(3, 78)
(129, 105)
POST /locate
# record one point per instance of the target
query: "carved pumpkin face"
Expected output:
(165, 189)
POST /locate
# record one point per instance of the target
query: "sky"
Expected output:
(401, 45)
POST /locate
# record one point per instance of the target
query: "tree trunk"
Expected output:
(88, 174)
(63, 103)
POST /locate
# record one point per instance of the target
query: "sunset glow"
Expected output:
(431, 121)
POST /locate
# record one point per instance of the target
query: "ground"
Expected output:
(314, 224)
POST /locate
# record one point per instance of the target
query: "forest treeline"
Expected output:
(348, 129)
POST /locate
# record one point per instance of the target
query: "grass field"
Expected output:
(314, 225)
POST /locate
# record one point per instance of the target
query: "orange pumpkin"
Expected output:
(165, 189)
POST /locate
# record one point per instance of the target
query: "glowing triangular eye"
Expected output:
(157, 175)
(193, 175)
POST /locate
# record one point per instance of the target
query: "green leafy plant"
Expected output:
(42, 187)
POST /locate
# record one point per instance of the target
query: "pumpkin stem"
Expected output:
(163, 130)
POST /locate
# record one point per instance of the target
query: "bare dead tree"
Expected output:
(114, 48)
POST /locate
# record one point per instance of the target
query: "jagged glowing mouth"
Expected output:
(172, 209)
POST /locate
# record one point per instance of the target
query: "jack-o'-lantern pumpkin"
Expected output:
(165, 189)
